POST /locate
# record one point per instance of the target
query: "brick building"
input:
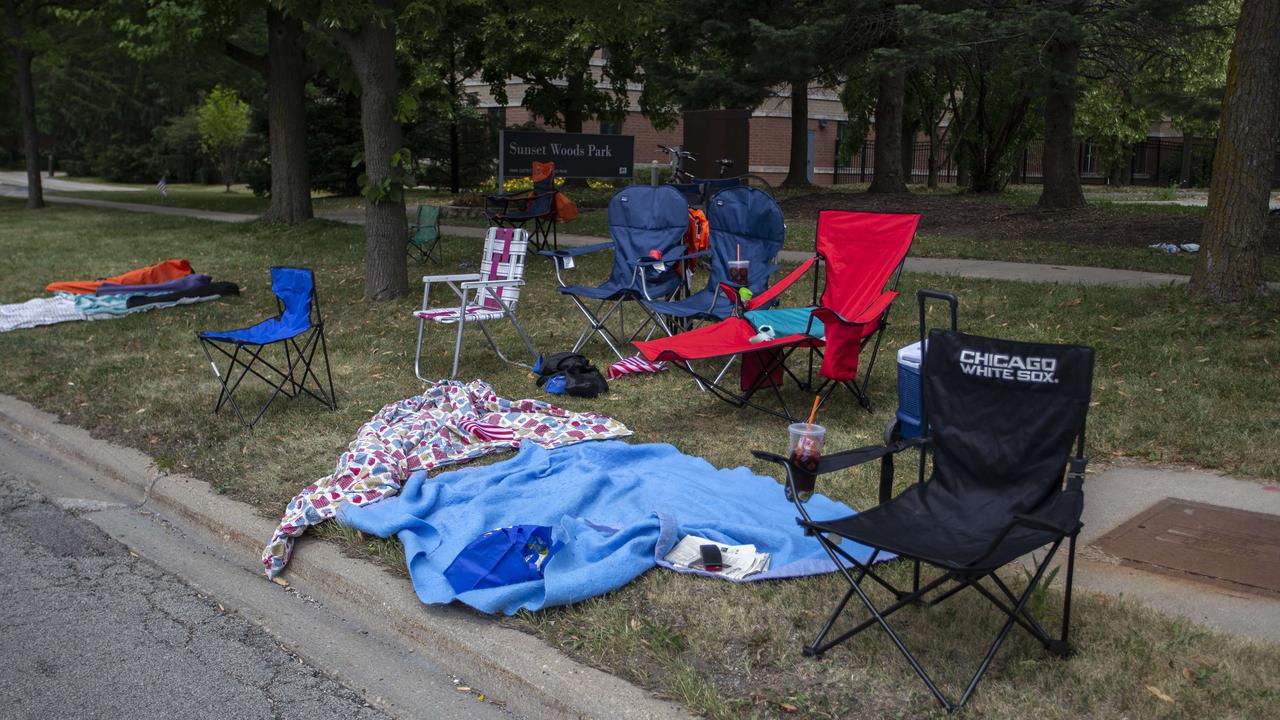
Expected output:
(768, 128)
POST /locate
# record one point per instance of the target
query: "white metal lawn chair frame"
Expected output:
(490, 294)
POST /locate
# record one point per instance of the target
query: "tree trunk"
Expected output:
(1184, 172)
(908, 151)
(287, 120)
(1061, 176)
(455, 149)
(888, 177)
(933, 155)
(27, 109)
(1229, 268)
(798, 162)
(373, 53)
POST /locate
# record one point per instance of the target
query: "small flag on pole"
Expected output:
(163, 187)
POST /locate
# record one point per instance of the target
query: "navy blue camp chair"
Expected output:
(518, 210)
(647, 224)
(746, 224)
(298, 329)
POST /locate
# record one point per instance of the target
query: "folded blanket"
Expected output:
(158, 273)
(199, 293)
(618, 509)
(185, 282)
(39, 311)
(449, 423)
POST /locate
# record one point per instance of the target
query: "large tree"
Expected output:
(576, 58)
(237, 28)
(738, 53)
(1229, 268)
(26, 24)
(366, 30)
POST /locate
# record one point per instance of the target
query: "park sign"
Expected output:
(576, 155)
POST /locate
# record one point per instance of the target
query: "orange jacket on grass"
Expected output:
(163, 271)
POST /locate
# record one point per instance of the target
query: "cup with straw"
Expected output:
(739, 270)
(805, 451)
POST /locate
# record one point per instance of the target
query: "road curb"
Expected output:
(533, 678)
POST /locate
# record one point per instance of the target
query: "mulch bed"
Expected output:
(982, 218)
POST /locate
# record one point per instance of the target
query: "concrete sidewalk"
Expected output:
(18, 178)
(957, 267)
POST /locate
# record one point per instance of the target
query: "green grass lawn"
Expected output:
(1175, 383)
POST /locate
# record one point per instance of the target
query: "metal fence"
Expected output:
(1155, 161)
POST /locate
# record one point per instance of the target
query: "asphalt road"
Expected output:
(88, 629)
(92, 629)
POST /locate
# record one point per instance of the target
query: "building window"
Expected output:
(497, 118)
(608, 127)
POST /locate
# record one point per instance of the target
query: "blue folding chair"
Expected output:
(647, 224)
(299, 329)
(746, 224)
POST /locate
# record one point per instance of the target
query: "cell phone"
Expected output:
(712, 560)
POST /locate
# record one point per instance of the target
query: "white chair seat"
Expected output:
(450, 315)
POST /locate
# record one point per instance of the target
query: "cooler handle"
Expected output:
(922, 296)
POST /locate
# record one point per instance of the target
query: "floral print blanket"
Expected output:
(451, 422)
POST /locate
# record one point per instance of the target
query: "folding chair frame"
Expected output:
(544, 225)
(431, 251)
(284, 382)
(598, 321)
(779, 359)
(462, 285)
(1014, 606)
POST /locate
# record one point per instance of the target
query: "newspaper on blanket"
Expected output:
(740, 561)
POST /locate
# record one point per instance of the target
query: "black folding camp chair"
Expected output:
(1002, 417)
(298, 329)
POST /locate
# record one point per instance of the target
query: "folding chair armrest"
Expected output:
(781, 286)
(1046, 524)
(510, 282)
(576, 251)
(464, 277)
(669, 257)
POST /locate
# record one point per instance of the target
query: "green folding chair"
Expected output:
(424, 235)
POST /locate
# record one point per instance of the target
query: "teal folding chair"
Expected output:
(424, 235)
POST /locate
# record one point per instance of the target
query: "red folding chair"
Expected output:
(860, 256)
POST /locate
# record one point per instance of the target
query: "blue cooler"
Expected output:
(909, 399)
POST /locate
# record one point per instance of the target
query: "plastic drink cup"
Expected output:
(739, 272)
(805, 452)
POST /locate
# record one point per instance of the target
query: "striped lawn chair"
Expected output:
(490, 294)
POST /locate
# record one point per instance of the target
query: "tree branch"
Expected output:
(251, 60)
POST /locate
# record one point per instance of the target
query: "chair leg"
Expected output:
(417, 354)
(457, 343)
(1062, 646)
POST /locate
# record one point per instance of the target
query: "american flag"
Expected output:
(163, 187)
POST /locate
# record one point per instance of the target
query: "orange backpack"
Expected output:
(698, 237)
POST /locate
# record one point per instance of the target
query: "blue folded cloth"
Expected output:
(787, 321)
(617, 508)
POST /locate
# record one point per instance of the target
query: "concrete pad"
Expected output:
(1119, 493)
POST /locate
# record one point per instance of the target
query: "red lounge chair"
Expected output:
(862, 255)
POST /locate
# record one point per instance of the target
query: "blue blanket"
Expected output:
(619, 508)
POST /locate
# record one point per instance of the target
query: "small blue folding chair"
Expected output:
(299, 329)
(647, 224)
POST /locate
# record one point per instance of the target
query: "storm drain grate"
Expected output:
(1236, 549)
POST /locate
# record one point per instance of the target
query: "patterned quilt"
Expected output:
(451, 422)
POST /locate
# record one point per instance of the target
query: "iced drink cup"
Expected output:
(805, 452)
(739, 272)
